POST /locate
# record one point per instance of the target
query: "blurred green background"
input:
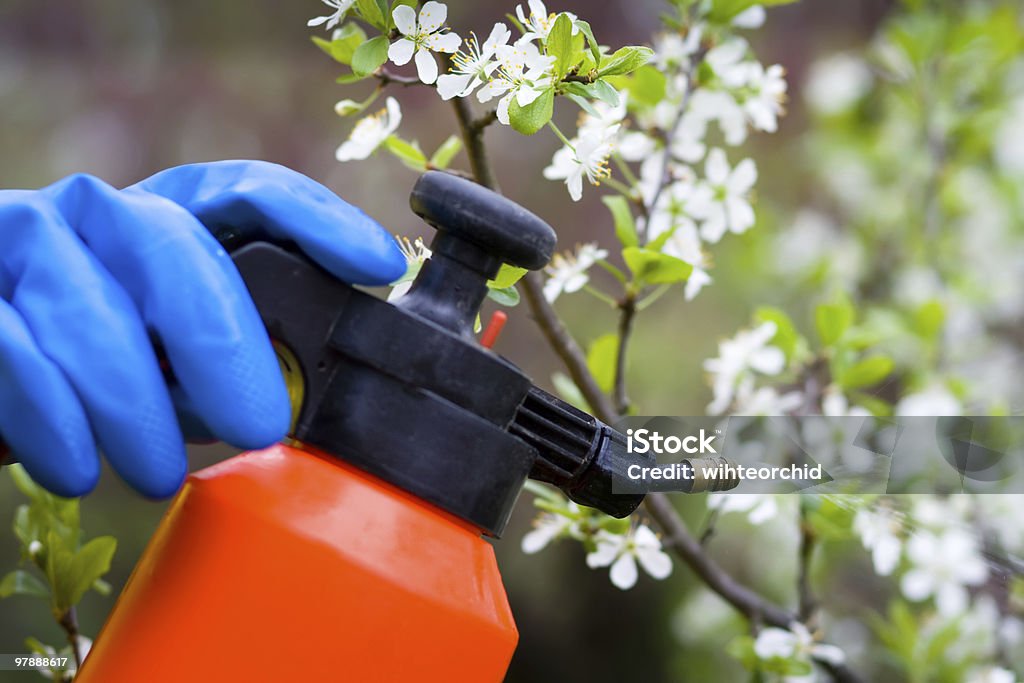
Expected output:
(124, 89)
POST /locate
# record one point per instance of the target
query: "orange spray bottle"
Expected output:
(356, 551)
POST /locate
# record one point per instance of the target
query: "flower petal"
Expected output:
(405, 20)
(400, 51)
(502, 112)
(492, 89)
(451, 85)
(743, 177)
(432, 16)
(426, 67)
(655, 562)
(717, 167)
(623, 573)
(443, 42)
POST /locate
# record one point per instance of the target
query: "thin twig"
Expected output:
(808, 604)
(69, 622)
(627, 315)
(756, 608)
(387, 77)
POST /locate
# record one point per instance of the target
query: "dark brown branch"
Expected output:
(808, 604)
(69, 622)
(754, 607)
(627, 315)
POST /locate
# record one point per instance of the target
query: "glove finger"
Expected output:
(41, 418)
(87, 325)
(191, 296)
(287, 206)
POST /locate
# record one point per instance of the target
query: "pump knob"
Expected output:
(475, 214)
(477, 231)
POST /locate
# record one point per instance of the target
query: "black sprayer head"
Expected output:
(406, 392)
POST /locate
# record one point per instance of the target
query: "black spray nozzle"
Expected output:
(592, 463)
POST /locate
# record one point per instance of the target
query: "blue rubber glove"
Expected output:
(90, 275)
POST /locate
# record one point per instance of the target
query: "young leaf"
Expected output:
(724, 11)
(504, 296)
(626, 60)
(602, 359)
(343, 46)
(866, 372)
(408, 153)
(625, 227)
(832, 320)
(559, 45)
(507, 276)
(583, 103)
(446, 152)
(370, 55)
(90, 563)
(20, 582)
(786, 338)
(595, 49)
(653, 268)
(534, 116)
(646, 85)
(374, 12)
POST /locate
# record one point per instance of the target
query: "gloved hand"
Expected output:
(90, 275)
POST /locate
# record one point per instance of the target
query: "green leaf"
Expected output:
(724, 11)
(602, 359)
(786, 336)
(534, 116)
(626, 60)
(625, 227)
(929, 319)
(24, 483)
(90, 563)
(446, 152)
(647, 85)
(374, 12)
(654, 268)
(866, 372)
(507, 276)
(595, 49)
(504, 296)
(20, 582)
(567, 389)
(559, 45)
(347, 79)
(584, 103)
(832, 320)
(344, 44)
(409, 153)
(370, 55)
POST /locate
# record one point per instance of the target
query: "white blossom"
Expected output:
(796, 642)
(421, 36)
(943, 566)
(758, 507)
(549, 527)
(749, 351)
(370, 132)
(721, 201)
(752, 17)
(340, 7)
(767, 93)
(764, 401)
(524, 73)
(415, 253)
(568, 272)
(539, 22)
(672, 51)
(837, 82)
(878, 529)
(588, 156)
(991, 674)
(934, 401)
(471, 68)
(622, 552)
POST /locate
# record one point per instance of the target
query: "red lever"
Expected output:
(494, 328)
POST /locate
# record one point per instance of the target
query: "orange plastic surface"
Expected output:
(286, 565)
